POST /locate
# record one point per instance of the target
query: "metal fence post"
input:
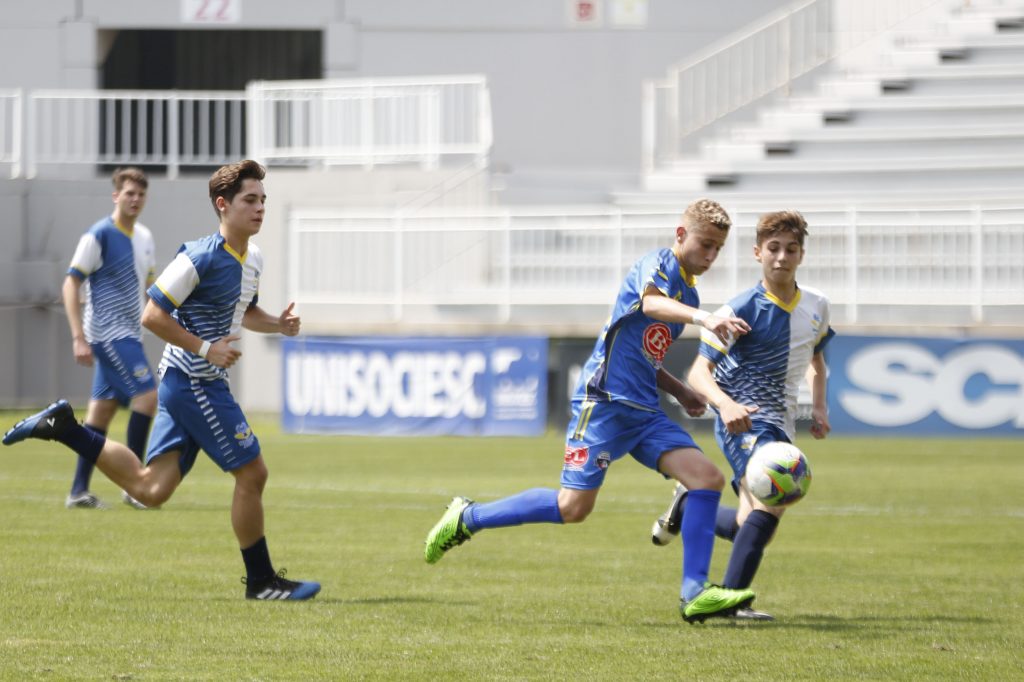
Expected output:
(172, 136)
(852, 262)
(977, 266)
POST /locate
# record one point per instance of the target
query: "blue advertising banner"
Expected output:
(414, 386)
(892, 385)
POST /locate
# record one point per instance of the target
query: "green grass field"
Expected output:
(904, 563)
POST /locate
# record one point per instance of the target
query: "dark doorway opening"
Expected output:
(201, 133)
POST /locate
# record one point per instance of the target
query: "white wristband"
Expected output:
(204, 349)
(700, 316)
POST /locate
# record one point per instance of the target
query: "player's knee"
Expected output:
(573, 513)
(145, 403)
(574, 509)
(707, 477)
(101, 413)
(152, 496)
(253, 475)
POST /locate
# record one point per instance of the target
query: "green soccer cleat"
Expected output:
(714, 602)
(449, 532)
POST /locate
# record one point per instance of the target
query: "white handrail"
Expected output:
(538, 265)
(310, 123)
(11, 130)
(138, 127)
(759, 60)
(370, 121)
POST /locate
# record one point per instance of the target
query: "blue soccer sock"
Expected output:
(258, 568)
(87, 442)
(748, 548)
(83, 470)
(537, 505)
(698, 533)
(725, 523)
(138, 433)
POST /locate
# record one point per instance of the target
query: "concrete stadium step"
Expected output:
(960, 173)
(751, 143)
(671, 200)
(894, 133)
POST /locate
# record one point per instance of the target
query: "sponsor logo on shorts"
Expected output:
(576, 457)
(244, 435)
(604, 460)
(657, 338)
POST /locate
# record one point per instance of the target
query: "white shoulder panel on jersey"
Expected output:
(178, 279)
(88, 255)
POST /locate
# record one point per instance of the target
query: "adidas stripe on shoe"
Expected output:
(279, 588)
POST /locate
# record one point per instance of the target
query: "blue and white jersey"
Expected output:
(628, 354)
(765, 366)
(207, 288)
(115, 265)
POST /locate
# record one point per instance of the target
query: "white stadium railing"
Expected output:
(760, 60)
(11, 131)
(304, 123)
(119, 127)
(531, 266)
(371, 121)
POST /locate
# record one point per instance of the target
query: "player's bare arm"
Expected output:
(661, 307)
(159, 321)
(71, 295)
(693, 403)
(736, 417)
(258, 320)
(817, 377)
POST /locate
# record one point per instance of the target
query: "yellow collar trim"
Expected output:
(124, 230)
(788, 307)
(691, 280)
(239, 257)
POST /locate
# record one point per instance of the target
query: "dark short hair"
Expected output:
(771, 224)
(227, 180)
(126, 173)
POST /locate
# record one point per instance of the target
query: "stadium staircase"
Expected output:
(934, 112)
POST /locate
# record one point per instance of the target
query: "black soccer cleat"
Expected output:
(49, 424)
(278, 588)
(668, 524)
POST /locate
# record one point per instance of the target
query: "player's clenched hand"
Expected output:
(736, 417)
(222, 354)
(82, 351)
(819, 423)
(693, 403)
(288, 322)
(726, 328)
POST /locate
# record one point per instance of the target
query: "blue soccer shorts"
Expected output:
(738, 447)
(120, 370)
(600, 433)
(194, 414)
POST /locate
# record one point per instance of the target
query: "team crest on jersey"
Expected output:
(576, 457)
(244, 435)
(141, 372)
(656, 340)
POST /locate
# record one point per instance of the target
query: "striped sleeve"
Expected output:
(711, 346)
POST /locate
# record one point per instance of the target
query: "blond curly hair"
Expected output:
(706, 212)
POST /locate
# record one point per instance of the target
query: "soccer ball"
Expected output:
(778, 474)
